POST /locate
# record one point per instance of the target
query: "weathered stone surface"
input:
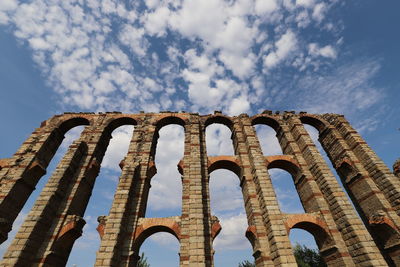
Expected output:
(51, 228)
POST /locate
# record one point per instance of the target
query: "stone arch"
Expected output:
(317, 227)
(150, 226)
(109, 126)
(221, 119)
(66, 125)
(114, 123)
(318, 123)
(284, 162)
(312, 224)
(266, 120)
(71, 231)
(224, 162)
(387, 234)
(251, 235)
(166, 120)
(51, 145)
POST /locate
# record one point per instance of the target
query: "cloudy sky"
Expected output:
(197, 55)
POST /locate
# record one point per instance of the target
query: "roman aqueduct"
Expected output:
(344, 238)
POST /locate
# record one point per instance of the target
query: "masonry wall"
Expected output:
(344, 238)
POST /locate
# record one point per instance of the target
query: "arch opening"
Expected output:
(165, 195)
(305, 248)
(317, 123)
(265, 120)
(226, 201)
(284, 187)
(268, 140)
(219, 140)
(160, 248)
(219, 119)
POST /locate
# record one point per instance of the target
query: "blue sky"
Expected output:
(236, 56)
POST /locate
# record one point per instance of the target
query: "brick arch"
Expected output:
(71, 231)
(170, 119)
(318, 123)
(108, 127)
(284, 162)
(312, 224)
(66, 125)
(150, 226)
(266, 120)
(221, 119)
(224, 162)
(387, 234)
(114, 123)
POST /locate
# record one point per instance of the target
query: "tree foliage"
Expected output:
(143, 261)
(307, 257)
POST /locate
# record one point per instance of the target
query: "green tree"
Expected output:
(143, 261)
(307, 257)
(247, 263)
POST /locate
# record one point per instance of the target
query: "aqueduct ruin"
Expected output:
(344, 238)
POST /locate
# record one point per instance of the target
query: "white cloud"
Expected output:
(225, 193)
(319, 11)
(348, 88)
(284, 46)
(239, 105)
(218, 140)
(156, 22)
(134, 39)
(6, 7)
(326, 51)
(103, 55)
(305, 3)
(265, 7)
(232, 236)
(167, 240)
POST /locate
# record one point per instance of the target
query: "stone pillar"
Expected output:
(32, 234)
(280, 251)
(196, 242)
(334, 251)
(22, 172)
(368, 198)
(66, 226)
(358, 241)
(385, 180)
(130, 200)
(243, 138)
